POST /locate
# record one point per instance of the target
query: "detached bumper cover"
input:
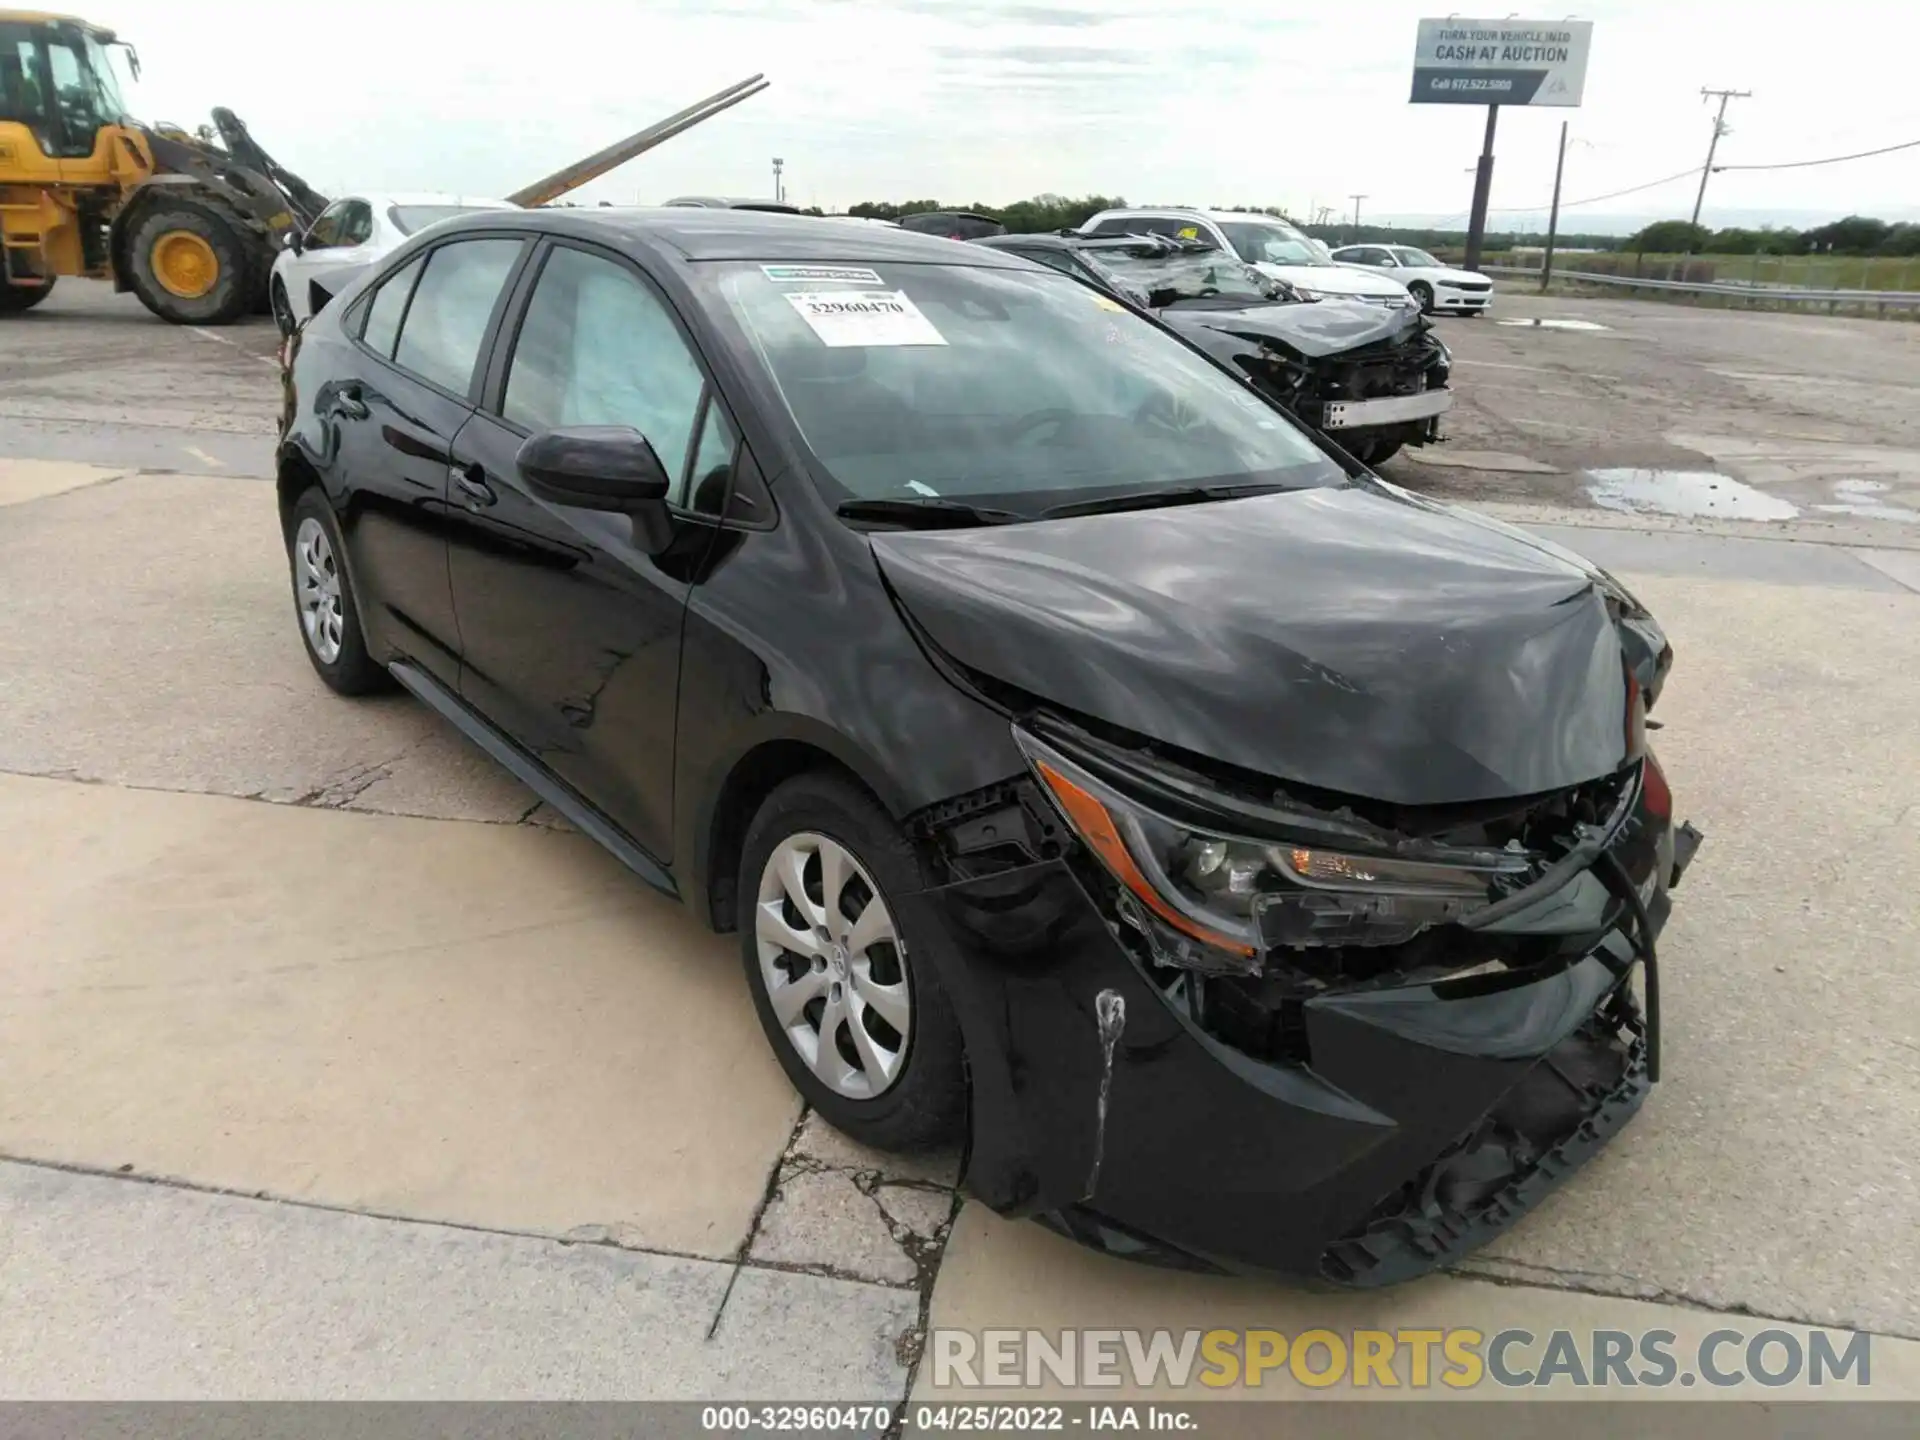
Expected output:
(1392, 410)
(1420, 1120)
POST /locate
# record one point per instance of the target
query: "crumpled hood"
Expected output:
(1338, 638)
(1313, 329)
(1334, 279)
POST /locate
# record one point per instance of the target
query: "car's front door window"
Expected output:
(324, 233)
(356, 226)
(598, 347)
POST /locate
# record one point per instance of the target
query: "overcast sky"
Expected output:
(1199, 102)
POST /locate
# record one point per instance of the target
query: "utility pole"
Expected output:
(779, 191)
(1553, 216)
(1482, 190)
(1719, 129)
(1356, 216)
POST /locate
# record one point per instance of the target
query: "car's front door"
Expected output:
(570, 630)
(393, 411)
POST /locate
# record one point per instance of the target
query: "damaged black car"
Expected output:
(1371, 379)
(1256, 866)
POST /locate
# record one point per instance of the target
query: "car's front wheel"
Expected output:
(324, 602)
(1422, 292)
(853, 1009)
(282, 307)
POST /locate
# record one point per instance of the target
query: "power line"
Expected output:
(1830, 160)
(1591, 199)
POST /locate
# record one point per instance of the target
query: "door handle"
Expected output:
(472, 483)
(347, 404)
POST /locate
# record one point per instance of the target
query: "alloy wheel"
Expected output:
(317, 581)
(834, 965)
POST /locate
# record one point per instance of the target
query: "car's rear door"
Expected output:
(394, 407)
(571, 631)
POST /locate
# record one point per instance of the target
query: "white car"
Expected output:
(349, 235)
(1440, 289)
(1271, 246)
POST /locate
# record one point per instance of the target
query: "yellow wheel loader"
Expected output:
(189, 222)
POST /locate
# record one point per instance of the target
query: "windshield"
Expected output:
(1270, 242)
(409, 218)
(1169, 278)
(1014, 388)
(103, 83)
(1407, 255)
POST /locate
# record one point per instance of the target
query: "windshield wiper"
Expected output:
(1154, 499)
(927, 514)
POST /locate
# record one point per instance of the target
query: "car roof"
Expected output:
(698, 233)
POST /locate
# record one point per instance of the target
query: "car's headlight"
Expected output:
(1210, 900)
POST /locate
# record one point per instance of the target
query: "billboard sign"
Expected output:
(1500, 62)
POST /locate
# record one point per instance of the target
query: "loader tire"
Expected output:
(190, 266)
(16, 298)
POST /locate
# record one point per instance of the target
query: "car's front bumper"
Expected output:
(1458, 301)
(1424, 1118)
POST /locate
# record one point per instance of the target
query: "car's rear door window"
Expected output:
(389, 307)
(452, 305)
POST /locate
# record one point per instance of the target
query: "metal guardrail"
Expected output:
(1881, 300)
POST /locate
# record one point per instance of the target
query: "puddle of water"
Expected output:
(1550, 324)
(1695, 494)
(1856, 497)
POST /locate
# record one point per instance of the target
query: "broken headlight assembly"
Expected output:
(1215, 901)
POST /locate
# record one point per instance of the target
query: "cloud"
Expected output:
(1042, 54)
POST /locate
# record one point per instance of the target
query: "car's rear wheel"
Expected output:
(852, 1008)
(324, 601)
(1422, 292)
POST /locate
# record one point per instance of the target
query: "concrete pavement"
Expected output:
(361, 1077)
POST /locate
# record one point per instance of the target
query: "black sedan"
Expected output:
(1371, 378)
(1261, 866)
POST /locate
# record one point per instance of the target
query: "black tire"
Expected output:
(16, 299)
(926, 1102)
(231, 294)
(1384, 450)
(282, 307)
(351, 670)
(1422, 292)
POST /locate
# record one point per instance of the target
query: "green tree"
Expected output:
(1671, 237)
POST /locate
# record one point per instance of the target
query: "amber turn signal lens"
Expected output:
(1096, 827)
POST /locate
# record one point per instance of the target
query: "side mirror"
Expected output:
(601, 467)
(291, 241)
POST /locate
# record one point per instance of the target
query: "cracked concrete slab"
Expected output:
(821, 1143)
(150, 641)
(487, 1024)
(122, 1290)
(1011, 1274)
(825, 1220)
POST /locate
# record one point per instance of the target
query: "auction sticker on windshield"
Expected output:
(822, 274)
(864, 317)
